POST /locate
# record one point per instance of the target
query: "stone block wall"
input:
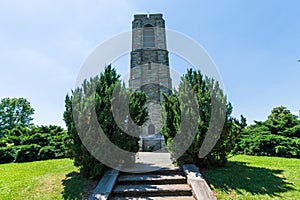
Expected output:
(149, 71)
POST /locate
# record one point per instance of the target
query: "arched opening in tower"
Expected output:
(151, 129)
(148, 36)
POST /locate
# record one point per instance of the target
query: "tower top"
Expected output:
(155, 20)
(148, 16)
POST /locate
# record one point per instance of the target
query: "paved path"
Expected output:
(151, 161)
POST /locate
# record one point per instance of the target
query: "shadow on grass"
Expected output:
(77, 187)
(238, 176)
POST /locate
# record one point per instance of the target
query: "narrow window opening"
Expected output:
(148, 36)
(151, 129)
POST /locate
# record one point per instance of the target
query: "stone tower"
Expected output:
(149, 72)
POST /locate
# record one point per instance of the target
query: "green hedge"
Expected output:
(7, 154)
(23, 144)
(269, 145)
(41, 139)
(47, 152)
(27, 153)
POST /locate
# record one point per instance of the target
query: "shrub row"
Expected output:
(269, 145)
(23, 144)
(26, 153)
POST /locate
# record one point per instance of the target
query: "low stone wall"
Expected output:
(200, 188)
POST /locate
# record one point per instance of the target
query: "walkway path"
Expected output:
(151, 161)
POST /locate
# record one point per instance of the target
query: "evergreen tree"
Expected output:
(282, 122)
(279, 135)
(93, 106)
(201, 104)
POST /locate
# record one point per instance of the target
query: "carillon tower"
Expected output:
(149, 72)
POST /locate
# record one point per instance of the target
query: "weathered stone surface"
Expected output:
(152, 189)
(200, 188)
(166, 182)
(144, 56)
(165, 178)
(105, 186)
(149, 69)
(153, 144)
(154, 20)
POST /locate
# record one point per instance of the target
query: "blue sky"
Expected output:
(255, 45)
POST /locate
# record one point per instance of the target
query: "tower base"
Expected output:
(152, 143)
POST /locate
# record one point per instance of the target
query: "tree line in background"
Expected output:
(279, 135)
(22, 141)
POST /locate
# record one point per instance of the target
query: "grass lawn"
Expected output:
(256, 177)
(50, 179)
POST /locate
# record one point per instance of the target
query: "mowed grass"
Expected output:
(51, 179)
(256, 177)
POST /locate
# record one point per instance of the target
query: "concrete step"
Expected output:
(166, 183)
(155, 198)
(159, 171)
(152, 179)
(152, 190)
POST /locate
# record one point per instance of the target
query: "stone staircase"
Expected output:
(162, 184)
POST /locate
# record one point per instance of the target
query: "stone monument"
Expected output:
(150, 73)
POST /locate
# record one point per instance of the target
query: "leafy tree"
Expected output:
(97, 94)
(279, 135)
(198, 109)
(15, 111)
(282, 122)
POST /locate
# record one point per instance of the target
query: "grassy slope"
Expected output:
(51, 179)
(256, 177)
